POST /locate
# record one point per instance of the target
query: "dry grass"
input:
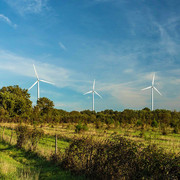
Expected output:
(6, 168)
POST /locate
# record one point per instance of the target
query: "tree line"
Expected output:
(16, 106)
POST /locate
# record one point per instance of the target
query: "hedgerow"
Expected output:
(120, 158)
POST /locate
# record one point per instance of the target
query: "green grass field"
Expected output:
(20, 164)
(66, 133)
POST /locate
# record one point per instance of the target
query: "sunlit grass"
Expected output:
(16, 164)
(66, 133)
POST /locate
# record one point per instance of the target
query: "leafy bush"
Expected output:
(34, 136)
(80, 128)
(79, 156)
(98, 124)
(25, 135)
(154, 163)
(139, 123)
(120, 158)
(176, 129)
(115, 159)
(154, 123)
(164, 129)
(22, 135)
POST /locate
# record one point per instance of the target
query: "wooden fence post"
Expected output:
(56, 144)
(3, 133)
(11, 136)
(1, 130)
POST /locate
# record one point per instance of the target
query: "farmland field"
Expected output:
(18, 163)
(66, 133)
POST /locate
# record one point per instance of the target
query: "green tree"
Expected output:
(15, 101)
(45, 106)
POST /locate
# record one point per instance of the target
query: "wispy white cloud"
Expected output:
(128, 96)
(128, 71)
(28, 6)
(7, 20)
(62, 46)
(69, 106)
(62, 77)
(166, 41)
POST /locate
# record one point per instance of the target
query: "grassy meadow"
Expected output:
(66, 133)
(22, 164)
(18, 164)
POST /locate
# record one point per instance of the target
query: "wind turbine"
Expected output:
(93, 91)
(37, 82)
(152, 88)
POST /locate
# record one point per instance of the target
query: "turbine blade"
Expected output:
(98, 94)
(153, 79)
(35, 71)
(157, 91)
(146, 88)
(93, 84)
(88, 92)
(33, 85)
(46, 81)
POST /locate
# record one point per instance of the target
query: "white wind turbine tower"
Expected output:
(152, 88)
(93, 91)
(37, 82)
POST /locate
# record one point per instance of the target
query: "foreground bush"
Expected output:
(29, 136)
(79, 157)
(22, 135)
(120, 158)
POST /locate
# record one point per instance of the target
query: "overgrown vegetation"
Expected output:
(26, 135)
(108, 157)
(79, 128)
(120, 158)
(99, 153)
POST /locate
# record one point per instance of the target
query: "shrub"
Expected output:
(176, 129)
(22, 135)
(98, 124)
(34, 136)
(164, 129)
(120, 158)
(154, 123)
(115, 159)
(25, 135)
(109, 121)
(139, 123)
(154, 163)
(79, 156)
(80, 128)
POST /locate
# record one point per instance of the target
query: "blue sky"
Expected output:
(120, 43)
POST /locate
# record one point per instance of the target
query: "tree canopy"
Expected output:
(15, 105)
(15, 101)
